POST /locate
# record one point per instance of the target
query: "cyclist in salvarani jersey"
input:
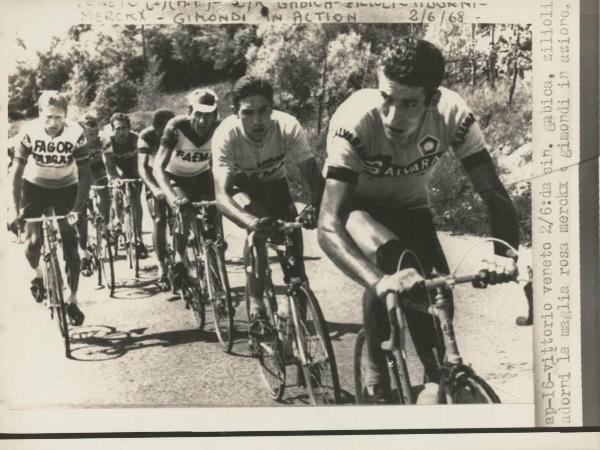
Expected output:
(382, 147)
(148, 144)
(182, 167)
(250, 149)
(120, 155)
(51, 170)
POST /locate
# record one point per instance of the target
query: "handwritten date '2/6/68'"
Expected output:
(435, 15)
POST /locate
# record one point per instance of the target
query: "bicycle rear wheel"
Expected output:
(466, 388)
(220, 297)
(319, 368)
(55, 285)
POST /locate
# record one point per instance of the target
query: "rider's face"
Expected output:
(91, 132)
(402, 109)
(54, 118)
(255, 114)
(203, 122)
(120, 130)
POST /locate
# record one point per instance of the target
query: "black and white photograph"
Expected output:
(323, 216)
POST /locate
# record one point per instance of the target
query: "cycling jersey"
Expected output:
(190, 154)
(94, 148)
(51, 161)
(125, 154)
(234, 152)
(390, 174)
(148, 141)
(121, 151)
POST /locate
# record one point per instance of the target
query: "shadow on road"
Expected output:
(338, 329)
(103, 342)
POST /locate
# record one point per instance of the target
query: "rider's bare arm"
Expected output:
(309, 169)
(109, 163)
(227, 205)
(17, 183)
(503, 216)
(146, 173)
(335, 240)
(83, 186)
(161, 161)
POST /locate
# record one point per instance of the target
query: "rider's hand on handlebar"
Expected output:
(308, 217)
(72, 217)
(158, 194)
(400, 282)
(263, 227)
(497, 269)
(179, 202)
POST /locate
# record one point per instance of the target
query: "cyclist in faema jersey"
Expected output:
(250, 148)
(93, 147)
(120, 152)
(182, 166)
(148, 144)
(382, 147)
(51, 170)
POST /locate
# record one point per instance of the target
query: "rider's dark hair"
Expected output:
(414, 62)
(121, 117)
(250, 85)
(161, 117)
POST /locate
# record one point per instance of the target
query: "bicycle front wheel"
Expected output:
(220, 297)
(466, 388)
(55, 285)
(397, 376)
(318, 365)
(270, 353)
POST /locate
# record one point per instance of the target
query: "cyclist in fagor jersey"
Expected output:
(382, 147)
(51, 171)
(249, 152)
(93, 147)
(148, 144)
(182, 167)
(120, 155)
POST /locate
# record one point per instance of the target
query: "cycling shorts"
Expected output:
(273, 199)
(36, 200)
(415, 231)
(196, 188)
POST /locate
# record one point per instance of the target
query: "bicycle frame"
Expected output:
(129, 219)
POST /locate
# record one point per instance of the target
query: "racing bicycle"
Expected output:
(458, 381)
(99, 241)
(207, 282)
(301, 338)
(52, 275)
(124, 191)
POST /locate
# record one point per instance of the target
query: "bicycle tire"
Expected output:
(58, 303)
(220, 297)
(98, 250)
(133, 224)
(270, 355)
(111, 263)
(191, 293)
(468, 388)
(361, 361)
(320, 373)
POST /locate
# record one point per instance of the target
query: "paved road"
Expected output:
(141, 348)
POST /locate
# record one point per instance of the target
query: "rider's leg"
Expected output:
(255, 279)
(137, 210)
(380, 245)
(415, 230)
(157, 210)
(71, 256)
(33, 237)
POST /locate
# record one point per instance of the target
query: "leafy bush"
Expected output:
(115, 96)
(291, 58)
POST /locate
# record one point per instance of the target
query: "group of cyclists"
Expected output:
(369, 202)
